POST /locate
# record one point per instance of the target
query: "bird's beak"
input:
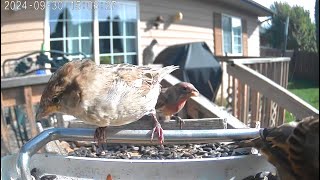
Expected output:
(43, 112)
(195, 92)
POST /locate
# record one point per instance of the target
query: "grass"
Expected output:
(307, 91)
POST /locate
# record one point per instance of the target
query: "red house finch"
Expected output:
(174, 98)
(104, 95)
(292, 148)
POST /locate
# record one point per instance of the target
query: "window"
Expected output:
(107, 32)
(118, 34)
(232, 35)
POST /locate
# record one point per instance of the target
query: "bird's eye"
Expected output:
(55, 100)
(184, 88)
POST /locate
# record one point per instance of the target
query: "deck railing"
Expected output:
(256, 91)
(23, 93)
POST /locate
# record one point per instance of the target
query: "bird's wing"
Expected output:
(304, 148)
(140, 81)
(162, 100)
(139, 78)
(130, 84)
(167, 97)
(142, 78)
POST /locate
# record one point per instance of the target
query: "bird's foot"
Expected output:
(157, 128)
(100, 135)
(179, 120)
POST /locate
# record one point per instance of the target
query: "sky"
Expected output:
(306, 4)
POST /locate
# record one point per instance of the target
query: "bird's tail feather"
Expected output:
(166, 70)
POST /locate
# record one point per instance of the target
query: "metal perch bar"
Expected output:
(172, 136)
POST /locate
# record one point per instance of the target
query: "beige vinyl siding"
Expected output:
(178, 36)
(22, 46)
(197, 24)
(21, 32)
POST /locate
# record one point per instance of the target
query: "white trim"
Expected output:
(138, 40)
(118, 54)
(111, 39)
(46, 30)
(232, 36)
(117, 37)
(96, 47)
(70, 38)
(64, 33)
(80, 40)
(124, 39)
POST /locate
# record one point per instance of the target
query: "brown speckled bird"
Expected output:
(104, 95)
(292, 148)
(171, 101)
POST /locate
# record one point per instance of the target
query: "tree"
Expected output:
(316, 18)
(301, 32)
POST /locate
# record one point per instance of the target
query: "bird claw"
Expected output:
(100, 135)
(157, 128)
(179, 120)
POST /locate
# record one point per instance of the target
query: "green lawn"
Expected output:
(306, 91)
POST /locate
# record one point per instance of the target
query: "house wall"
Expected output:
(21, 31)
(197, 23)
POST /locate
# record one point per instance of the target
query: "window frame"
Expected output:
(95, 30)
(232, 36)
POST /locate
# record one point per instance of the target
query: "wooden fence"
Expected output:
(305, 66)
(271, 52)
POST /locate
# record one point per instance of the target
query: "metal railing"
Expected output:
(63, 55)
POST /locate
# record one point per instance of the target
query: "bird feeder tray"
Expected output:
(28, 165)
(84, 168)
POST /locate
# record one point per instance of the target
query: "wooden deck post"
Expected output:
(29, 110)
(5, 142)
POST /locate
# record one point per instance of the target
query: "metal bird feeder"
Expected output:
(67, 167)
